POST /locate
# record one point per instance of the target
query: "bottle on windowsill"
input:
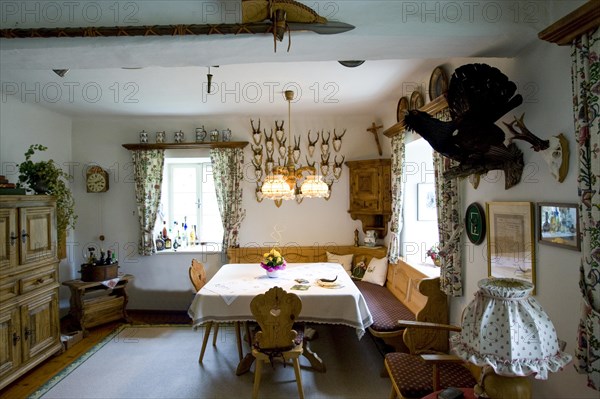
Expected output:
(164, 230)
(168, 243)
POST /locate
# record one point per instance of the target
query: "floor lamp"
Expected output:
(506, 331)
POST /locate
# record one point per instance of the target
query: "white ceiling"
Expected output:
(170, 72)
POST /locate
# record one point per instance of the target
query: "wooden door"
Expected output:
(10, 337)
(40, 324)
(9, 242)
(37, 234)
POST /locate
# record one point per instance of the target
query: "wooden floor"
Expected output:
(30, 382)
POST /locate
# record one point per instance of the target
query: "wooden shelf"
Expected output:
(432, 108)
(186, 146)
(573, 25)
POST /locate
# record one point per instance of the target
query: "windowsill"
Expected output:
(204, 249)
(428, 269)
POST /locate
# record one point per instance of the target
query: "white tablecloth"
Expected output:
(227, 296)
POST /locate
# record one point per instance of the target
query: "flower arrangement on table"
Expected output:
(434, 254)
(272, 261)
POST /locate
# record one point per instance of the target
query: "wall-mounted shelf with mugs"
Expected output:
(186, 146)
(201, 136)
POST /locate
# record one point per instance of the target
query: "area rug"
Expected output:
(162, 362)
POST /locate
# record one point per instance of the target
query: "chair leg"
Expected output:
(205, 340)
(216, 331)
(257, 372)
(298, 377)
(393, 393)
(238, 338)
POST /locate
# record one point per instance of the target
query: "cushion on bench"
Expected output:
(414, 378)
(385, 308)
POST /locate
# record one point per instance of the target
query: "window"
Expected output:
(417, 235)
(189, 202)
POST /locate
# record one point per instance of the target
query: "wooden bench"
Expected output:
(411, 295)
(408, 294)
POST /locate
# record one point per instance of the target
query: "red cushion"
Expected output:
(385, 308)
(414, 377)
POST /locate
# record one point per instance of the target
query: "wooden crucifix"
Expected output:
(373, 129)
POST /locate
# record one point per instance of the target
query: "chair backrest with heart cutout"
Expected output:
(276, 311)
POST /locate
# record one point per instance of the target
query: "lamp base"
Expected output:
(496, 386)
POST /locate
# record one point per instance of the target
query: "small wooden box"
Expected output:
(99, 272)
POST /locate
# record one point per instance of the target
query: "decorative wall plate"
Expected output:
(438, 83)
(416, 100)
(475, 223)
(402, 106)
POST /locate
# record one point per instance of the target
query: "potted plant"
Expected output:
(46, 177)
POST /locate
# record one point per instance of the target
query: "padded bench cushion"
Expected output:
(414, 376)
(385, 308)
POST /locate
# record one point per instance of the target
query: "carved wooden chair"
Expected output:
(421, 372)
(275, 311)
(198, 278)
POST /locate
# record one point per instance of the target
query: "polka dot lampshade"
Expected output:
(505, 328)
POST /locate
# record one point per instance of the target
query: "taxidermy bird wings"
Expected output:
(478, 95)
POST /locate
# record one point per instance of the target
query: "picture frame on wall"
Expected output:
(510, 240)
(426, 205)
(558, 225)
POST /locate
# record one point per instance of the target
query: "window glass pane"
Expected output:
(189, 195)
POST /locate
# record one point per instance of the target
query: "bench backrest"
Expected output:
(305, 254)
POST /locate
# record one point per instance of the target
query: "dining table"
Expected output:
(227, 296)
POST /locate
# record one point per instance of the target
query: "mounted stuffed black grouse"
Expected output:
(478, 95)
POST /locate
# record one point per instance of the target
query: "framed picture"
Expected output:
(558, 225)
(426, 207)
(510, 239)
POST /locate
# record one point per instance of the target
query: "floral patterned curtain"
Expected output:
(148, 172)
(396, 224)
(450, 226)
(586, 109)
(228, 174)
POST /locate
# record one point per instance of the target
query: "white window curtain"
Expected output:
(148, 173)
(228, 174)
(394, 250)
(586, 105)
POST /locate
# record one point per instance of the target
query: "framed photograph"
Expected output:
(510, 239)
(426, 207)
(558, 225)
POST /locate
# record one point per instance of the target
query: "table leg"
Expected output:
(244, 366)
(314, 359)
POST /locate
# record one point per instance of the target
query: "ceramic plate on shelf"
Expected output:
(416, 100)
(402, 106)
(438, 83)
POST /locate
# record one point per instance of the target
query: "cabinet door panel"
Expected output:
(10, 335)
(8, 245)
(40, 242)
(40, 324)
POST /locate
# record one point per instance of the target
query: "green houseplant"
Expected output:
(46, 177)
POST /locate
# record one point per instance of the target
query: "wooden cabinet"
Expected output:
(93, 303)
(370, 194)
(29, 324)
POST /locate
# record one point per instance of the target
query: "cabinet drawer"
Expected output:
(8, 290)
(31, 283)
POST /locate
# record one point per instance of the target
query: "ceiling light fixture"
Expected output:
(60, 72)
(282, 182)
